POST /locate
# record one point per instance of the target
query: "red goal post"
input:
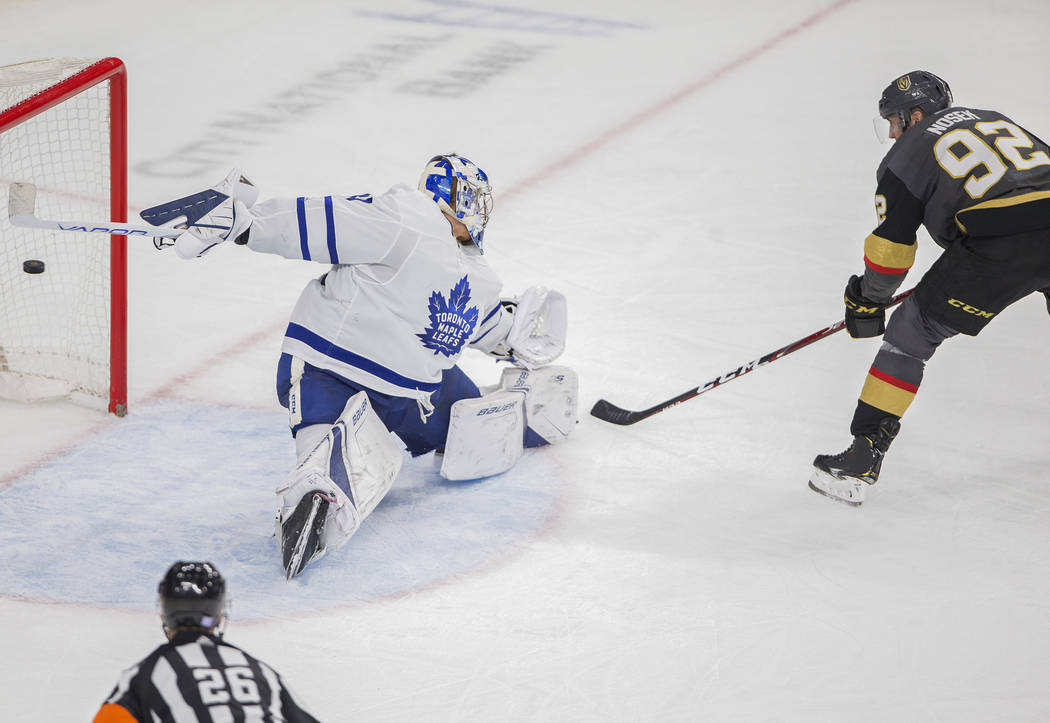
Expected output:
(63, 332)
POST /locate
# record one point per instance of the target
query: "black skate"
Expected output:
(301, 532)
(844, 477)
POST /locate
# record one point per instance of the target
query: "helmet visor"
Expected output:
(886, 126)
(881, 126)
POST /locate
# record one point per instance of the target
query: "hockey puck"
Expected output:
(33, 266)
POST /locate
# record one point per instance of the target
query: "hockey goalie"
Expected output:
(372, 344)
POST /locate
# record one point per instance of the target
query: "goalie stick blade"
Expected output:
(21, 199)
(608, 412)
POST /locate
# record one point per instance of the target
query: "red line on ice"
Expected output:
(647, 114)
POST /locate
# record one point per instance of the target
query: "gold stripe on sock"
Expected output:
(886, 396)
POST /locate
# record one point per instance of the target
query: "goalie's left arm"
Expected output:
(529, 330)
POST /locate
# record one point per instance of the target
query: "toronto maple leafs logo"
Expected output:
(451, 323)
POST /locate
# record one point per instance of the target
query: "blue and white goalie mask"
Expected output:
(460, 189)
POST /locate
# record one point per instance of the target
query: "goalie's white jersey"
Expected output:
(402, 298)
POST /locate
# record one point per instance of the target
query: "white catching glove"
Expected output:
(537, 336)
(209, 217)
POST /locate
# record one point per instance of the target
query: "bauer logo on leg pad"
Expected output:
(360, 412)
(496, 409)
(515, 379)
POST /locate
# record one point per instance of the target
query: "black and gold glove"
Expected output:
(864, 317)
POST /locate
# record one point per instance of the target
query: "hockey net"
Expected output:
(63, 331)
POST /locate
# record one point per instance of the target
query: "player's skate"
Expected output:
(844, 477)
(302, 531)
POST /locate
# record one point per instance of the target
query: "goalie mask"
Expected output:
(192, 594)
(460, 189)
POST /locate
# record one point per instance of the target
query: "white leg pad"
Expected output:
(485, 435)
(551, 399)
(357, 453)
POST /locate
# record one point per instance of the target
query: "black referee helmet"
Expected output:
(192, 594)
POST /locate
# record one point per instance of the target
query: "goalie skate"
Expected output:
(301, 533)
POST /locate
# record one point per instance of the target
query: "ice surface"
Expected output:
(696, 178)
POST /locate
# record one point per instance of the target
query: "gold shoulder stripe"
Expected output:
(1006, 202)
(1009, 201)
(889, 254)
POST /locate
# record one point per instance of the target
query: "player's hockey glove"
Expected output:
(209, 217)
(864, 317)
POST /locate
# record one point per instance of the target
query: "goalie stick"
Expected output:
(21, 209)
(609, 412)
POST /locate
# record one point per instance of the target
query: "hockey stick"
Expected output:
(21, 209)
(609, 412)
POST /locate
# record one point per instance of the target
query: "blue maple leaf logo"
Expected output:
(451, 323)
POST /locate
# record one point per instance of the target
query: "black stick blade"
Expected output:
(608, 412)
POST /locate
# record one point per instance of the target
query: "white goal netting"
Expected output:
(55, 326)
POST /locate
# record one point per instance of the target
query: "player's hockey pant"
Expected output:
(962, 292)
(322, 395)
(978, 277)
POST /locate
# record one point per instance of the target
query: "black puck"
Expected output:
(33, 266)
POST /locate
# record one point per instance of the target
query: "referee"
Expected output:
(196, 677)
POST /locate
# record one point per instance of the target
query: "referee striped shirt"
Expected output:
(199, 678)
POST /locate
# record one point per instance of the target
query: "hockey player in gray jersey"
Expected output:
(980, 184)
(372, 344)
(197, 676)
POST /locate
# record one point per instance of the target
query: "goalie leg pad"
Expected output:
(354, 464)
(485, 435)
(551, 399)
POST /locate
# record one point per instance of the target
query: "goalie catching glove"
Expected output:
(533, 329)
(209, 217)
